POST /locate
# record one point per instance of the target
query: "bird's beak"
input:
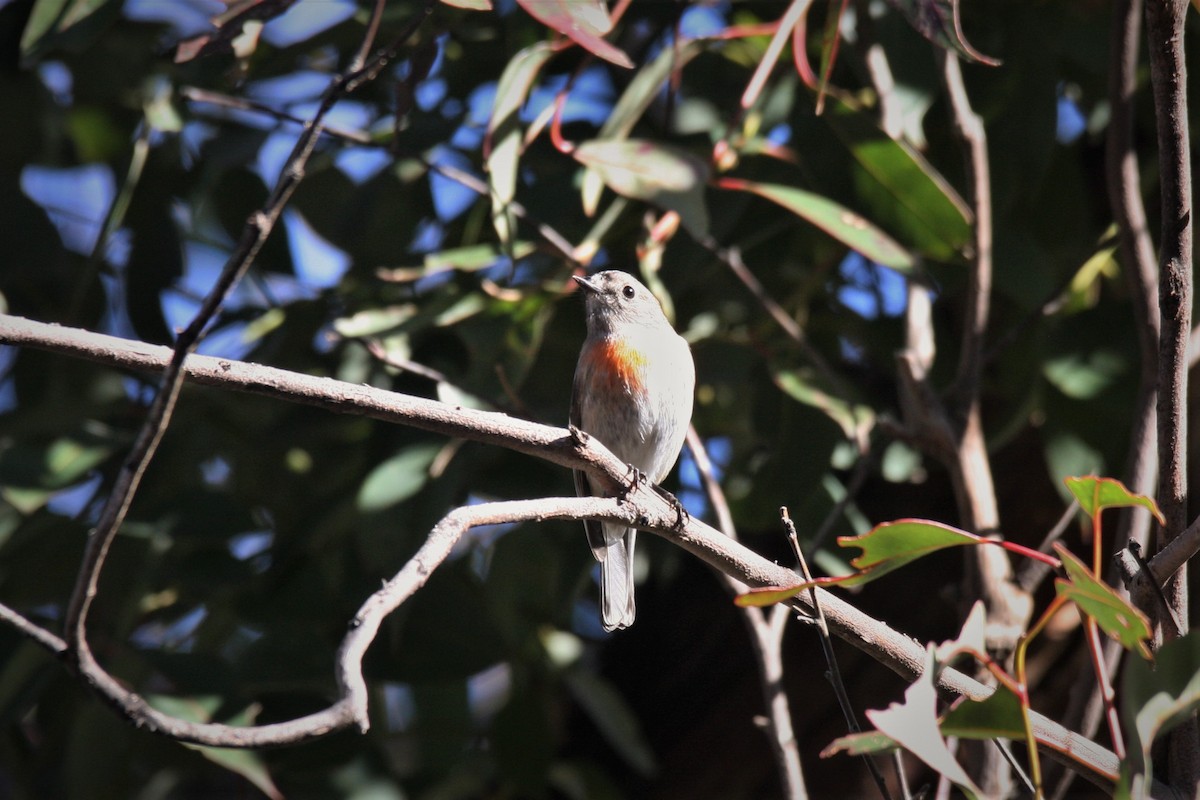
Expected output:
(586, 284)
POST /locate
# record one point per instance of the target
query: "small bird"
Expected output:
(632, 391)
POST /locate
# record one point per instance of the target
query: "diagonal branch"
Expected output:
(643, 507)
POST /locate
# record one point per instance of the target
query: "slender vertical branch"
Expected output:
(1168, 76)
(989, 571)
(766, 641)
(1137, 253)
(1086, 707)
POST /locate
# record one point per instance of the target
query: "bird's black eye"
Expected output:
(628, 291)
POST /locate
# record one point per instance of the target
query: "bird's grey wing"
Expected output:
(594, 530)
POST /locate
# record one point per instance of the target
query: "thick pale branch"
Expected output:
(643, 507)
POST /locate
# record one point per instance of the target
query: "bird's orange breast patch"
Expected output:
(617, 363)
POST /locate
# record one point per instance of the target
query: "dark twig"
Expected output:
(1033, 572)
(834, 674)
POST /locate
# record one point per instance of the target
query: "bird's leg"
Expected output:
(635, 476)
(681, 514)
(578, 435)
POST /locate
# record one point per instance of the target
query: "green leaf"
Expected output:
(998, 716)
(886, 547)
(1095, 598)
(504, 132)
(1155, 698)
(904, 191)
(634, 101)
(398, 478)
(913, 724)
(374, 321)
(838, 221)
(1096, 494)
(470, 5)
(645, 170)
(584, 21)
(861, 744)
(51, 19)
(614, 718)
(1083, 376)
(246, 763)
(940, 22)
(800, 384)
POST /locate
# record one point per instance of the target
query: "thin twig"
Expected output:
(1033, 572)
(834, 674)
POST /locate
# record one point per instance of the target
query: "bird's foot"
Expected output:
(682, 517)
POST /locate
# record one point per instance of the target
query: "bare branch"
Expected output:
(1168, 76)
(642, 507)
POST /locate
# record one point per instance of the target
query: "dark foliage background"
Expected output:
(262, 526)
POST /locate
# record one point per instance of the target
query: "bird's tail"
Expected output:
(616, 580)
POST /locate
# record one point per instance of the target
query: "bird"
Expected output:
(633, 391)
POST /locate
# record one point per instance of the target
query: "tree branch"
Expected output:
(643, 507)
(1168, 76)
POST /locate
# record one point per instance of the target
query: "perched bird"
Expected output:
(632, 391)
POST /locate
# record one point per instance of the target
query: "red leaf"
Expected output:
(584, 21)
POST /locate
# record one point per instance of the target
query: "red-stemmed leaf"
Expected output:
(585, 22)
(1096, 494)
(940, 21)
(1095, 598)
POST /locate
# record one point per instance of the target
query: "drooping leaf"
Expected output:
(1084, 375)
(470, 5)
(886, 547)
(998, 716)
(504, 132)
(1096, 494)
(632, 104)
(613, 717)
(51, 20)
(940, 22)
(861, 744)
(835, 219)
(1084, 290)
(1155, 698)
(645, 170)
(398, 478)
(246, 763)
(1095, 598)
(853, 418)
(586, 22)
(972, 638)
(913, 724)
(905, 192)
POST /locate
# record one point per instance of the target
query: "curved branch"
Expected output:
(642, 507)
